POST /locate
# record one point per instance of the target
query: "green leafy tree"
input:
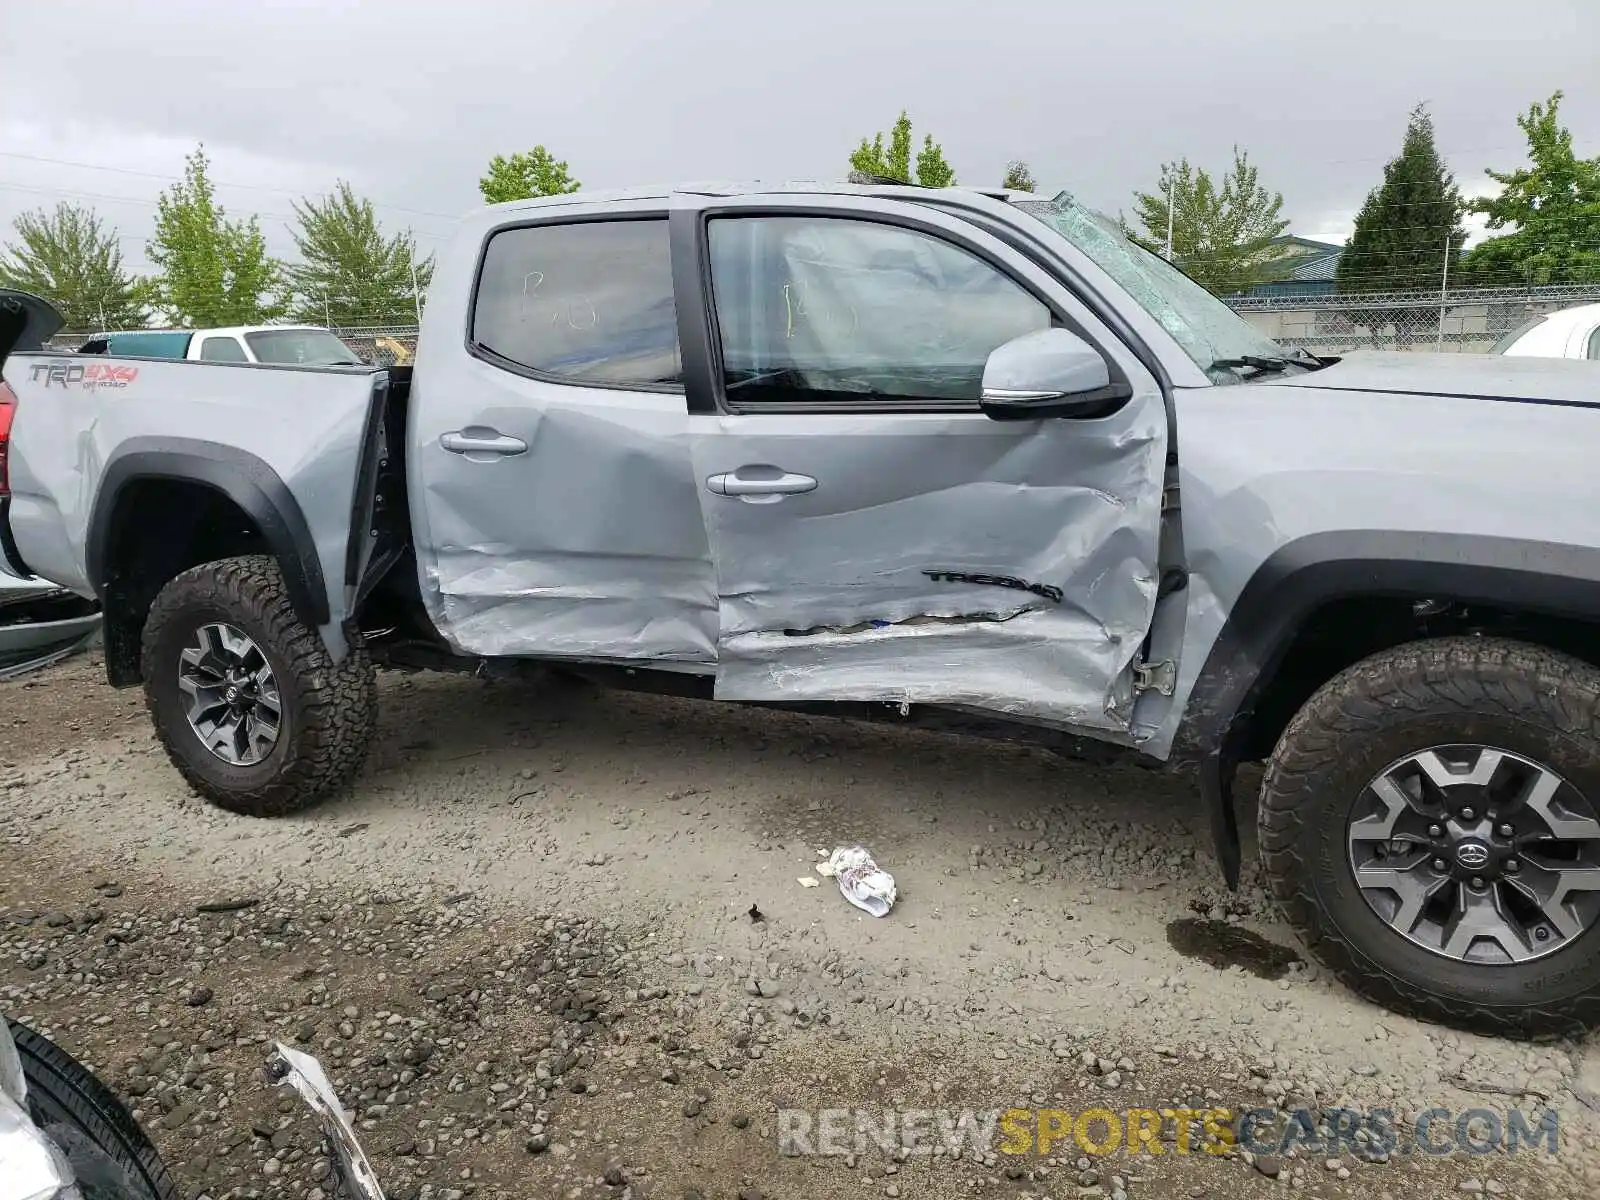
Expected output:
(524, 176)
(893, 161)
(1410, 225)
(350, 273)
(1222, 235)
(213, 271)
(1018, 177)
(71, 259)
(1551, 209)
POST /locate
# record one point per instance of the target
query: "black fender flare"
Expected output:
(237, 474)
(1304, 575)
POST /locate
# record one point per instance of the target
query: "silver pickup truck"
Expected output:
(943, 456)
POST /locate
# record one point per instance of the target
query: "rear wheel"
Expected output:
(1430, 824)
(245, 698)
(111, 1156)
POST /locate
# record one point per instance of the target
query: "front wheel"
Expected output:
(245, 698)
(1430, 824)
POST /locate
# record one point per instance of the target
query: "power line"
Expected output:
(256, 187)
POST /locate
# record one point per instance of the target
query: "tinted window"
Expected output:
(308, 347)
(222, 349)
(818, 308)
(589, 303)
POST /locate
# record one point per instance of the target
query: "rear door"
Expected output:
(555, 513)
(875, 536)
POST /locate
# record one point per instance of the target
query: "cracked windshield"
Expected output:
(601, 602)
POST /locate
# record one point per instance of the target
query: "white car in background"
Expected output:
(1568, 333)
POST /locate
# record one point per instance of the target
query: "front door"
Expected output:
(875, 536)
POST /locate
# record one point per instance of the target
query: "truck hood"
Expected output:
(26, 322)
(1574, 382)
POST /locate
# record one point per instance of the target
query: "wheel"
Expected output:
(1428, 823)
(245, 698)
(111, 1156)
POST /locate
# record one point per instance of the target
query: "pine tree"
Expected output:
(1399, 244)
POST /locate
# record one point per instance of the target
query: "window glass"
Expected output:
(817, 308)
(589, 302)
(305, 347)
(222, 349)
(1594, 344)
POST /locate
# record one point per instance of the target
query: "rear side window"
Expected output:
(222, 349)
(586, 303)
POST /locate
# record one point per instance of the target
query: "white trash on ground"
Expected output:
(861, 881)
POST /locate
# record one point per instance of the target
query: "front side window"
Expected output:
(222, 349)
(831, 308)
(589, 302)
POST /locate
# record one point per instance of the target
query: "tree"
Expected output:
(1410, 225)
(350, 274)
(1018, 178)
(872, 160)
(1551, 207)
(213, 271)
(1221, 236)
(68, 257)
(523, 176)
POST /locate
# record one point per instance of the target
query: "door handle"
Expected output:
(477, 440)
(772, 483)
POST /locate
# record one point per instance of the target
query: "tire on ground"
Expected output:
(328, 711)
(109, 1153)
(1513, 696)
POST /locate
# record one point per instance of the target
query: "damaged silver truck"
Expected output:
(937, 456)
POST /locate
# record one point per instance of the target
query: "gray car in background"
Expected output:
(936, 456)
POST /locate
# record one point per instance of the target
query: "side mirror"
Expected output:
(1049, 373)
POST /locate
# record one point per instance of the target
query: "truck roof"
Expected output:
(756, 187)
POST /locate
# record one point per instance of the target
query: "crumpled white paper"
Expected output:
(861, 881)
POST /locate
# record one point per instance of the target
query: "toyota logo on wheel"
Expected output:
(1472, 855)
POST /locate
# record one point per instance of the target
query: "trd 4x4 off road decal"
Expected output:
(1052, 594)
(90, 377)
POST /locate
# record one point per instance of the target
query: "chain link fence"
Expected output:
(1466, 321)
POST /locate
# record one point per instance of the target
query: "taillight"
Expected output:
(8, 410)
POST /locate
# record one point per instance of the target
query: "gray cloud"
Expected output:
(409, 99)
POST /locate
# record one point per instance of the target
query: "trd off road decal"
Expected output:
(1052, 594)
(90, 377)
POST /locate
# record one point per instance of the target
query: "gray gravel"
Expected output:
(523, 949)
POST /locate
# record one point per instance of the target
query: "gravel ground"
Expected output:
(524, 947)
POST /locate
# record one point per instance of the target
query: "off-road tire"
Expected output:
(328, 711)
(113, 1158)
(1518, 697)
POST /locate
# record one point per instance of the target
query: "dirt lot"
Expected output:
(525, 948)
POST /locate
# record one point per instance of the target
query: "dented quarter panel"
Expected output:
(305, 424)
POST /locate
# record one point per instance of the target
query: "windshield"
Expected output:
(1208, 330)
(310, 347)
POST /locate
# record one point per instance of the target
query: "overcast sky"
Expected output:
(408, 99)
